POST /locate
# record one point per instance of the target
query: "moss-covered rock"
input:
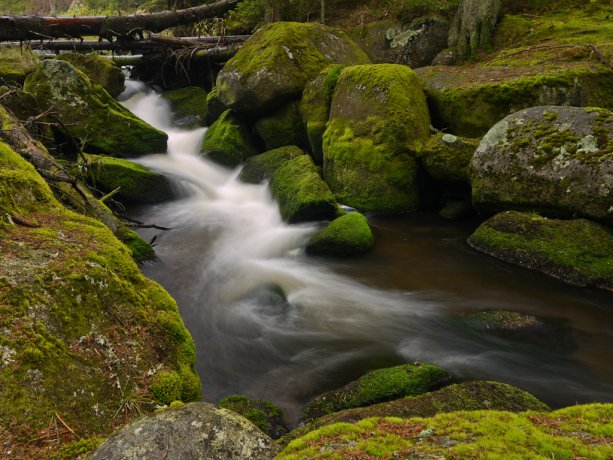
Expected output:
(446, 157)
(282, 127)
(214, 107)
(74, 308)
(261, 167)
(578, 251)
(378, 120)
(99, 70)
(189, 105)
(137, 183)
(89, 114)
(263, 414)
(348, 235)
(581, 430)
(469, 100)
(477, 395)
(301, 193)
(473, 25)
(377, 386)
(16, 63)
(554, 160)
(228, 141)
(315, 108)
(192, 431)
(275, 64)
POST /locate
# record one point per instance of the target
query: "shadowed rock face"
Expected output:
(195, 431)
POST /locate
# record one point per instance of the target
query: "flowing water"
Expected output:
(274, 324)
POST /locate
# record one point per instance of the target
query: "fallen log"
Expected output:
(19, 28)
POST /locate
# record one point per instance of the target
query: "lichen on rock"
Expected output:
(99, 70)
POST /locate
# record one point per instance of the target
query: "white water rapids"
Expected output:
(273, 324)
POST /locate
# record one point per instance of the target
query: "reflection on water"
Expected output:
(271, 323)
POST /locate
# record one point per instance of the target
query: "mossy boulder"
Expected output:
(189, 105)
(274, 65)
(99, 70)
(377, 386)
(554, 160)
(378, 120)
(261, 167)
(214, 107)
(16, 63)
(469, 100)
(348, 235)
(446, 157)
(197, 430)
(263, 414)
(228, 141)
(476, 395)
(137, 184)
(282, 127)
(315, 108)
(581, 430)
(300, 191)
(578, 251)
(89, 114)
(75, 309)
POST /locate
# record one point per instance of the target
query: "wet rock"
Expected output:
(99, 70)
(90, 115)
(578, 251)
(378, 120)
(282, 127)
(456, 210)
(198, 430)
(301, 193)
(189, 106)
(348, 235)
(553, 160)
(275, 64)
(263, 414)
(228, 141)
(377, 386)
(261, 167)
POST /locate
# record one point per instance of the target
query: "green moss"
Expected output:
(377, 386)
(446, 157)
(137, 184)
(263, 414)
(166, 387)
(76, 449)
(214, 107)
(282, 127)
(301, 193)
(140, 249)
(227, 141)
(189, 105)
(16, 63)
(577, 251)
(98, 69)
(347, 235)
(477, 434)
(89, 114)
(261, 167)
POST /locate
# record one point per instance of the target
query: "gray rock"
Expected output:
(473, 25)
(554, 160)
(196, 431)
(421, 42)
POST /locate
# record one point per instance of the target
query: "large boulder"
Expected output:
(194, 431)
(263, 414)
(554, 160)
(275, 64)
(99, 70)
(473, 25)
(189, 105)
(377, 386)
(577, 430)
(137, 184)
(261, 167)
(75, 309)
(446, 157)
(301, 193)
(282, 127)
(579, 251)
(228, 141)
(214, 107)
(89, 114)
(348, 235)
(378, 121)
(468, 100)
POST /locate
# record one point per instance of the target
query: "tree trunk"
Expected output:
(38, 27)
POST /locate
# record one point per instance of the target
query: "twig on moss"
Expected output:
(66, 425)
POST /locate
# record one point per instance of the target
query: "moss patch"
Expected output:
(446, 157)
(348, 235)
(98, 69)
(282, 127)
(189, 105)
(16, 63)
(228, 141)
(263, 414)
(261, 167)
(577, 251)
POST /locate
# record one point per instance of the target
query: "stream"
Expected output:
(272, 323)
